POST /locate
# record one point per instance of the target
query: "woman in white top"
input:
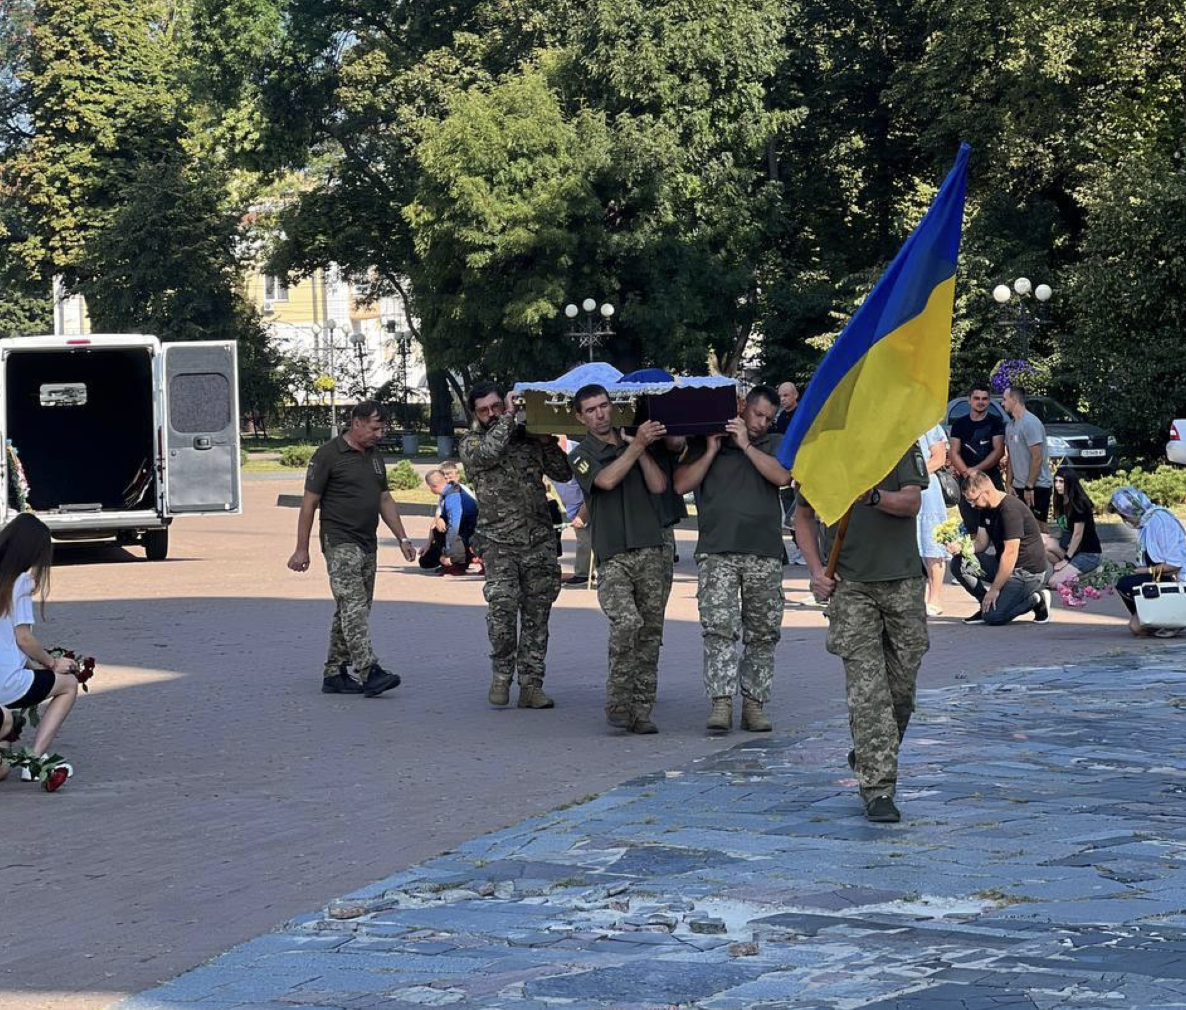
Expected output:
(26, 553)
(934, 447)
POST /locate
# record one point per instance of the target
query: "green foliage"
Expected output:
(403, 477)
(297, 455)
(1165, 486)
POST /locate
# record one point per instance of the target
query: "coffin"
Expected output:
(686, 405)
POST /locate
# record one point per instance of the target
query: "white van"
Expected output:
(119, 434)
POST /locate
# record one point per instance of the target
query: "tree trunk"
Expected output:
(440, 411)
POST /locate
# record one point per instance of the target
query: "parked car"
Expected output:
(1175, 448)
(1083, 445)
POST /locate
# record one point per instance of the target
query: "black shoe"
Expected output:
(378, 681)
(340, 683)
(618, 717)
(643, 726)
(1042, 607)
(881, 810)
(976, 618)
(852, 759)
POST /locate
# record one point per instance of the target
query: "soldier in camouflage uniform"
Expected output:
(739, 554)
(515, 539)
(347, 481)
(618, 477)
(877, 622)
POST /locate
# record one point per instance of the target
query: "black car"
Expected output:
(1085, 446)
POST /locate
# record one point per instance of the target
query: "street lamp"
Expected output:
(592, 329)
(359, 341)
(1015, 309)
(402, 341)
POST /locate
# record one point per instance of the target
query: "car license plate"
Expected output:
(1094, 452)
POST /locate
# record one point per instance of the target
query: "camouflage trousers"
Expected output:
(522, 583)
(352, 582)
(879, 630)
(740, 597)
(669, 567)
(630, 589)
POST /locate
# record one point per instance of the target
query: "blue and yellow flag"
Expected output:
(885, 380)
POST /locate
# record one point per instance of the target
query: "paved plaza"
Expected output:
(1042, 864)
(219, 794)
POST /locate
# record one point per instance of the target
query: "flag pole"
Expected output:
(837, 544)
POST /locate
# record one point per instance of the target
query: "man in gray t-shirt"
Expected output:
(1029, 456)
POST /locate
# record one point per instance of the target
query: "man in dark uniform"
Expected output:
(347, 480)
(516, 540)
(618, 477)
(877, 621)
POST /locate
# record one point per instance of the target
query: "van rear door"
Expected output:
(200, 433)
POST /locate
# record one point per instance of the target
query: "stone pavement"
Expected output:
(1041, 864)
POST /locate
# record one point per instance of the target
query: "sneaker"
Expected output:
(1042, 607)
(643, 726)
(881, 810)
(976, 618)
(340, 683)
(933, 611)
(378, 681)
(452, 569)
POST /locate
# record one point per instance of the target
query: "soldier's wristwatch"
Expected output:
(874, 497)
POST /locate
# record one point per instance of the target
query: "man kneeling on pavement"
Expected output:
(1014, 578)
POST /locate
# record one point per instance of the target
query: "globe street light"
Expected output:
(590, 331)
(1016, 310)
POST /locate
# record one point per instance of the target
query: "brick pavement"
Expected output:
(218, 793)
(1040, 866)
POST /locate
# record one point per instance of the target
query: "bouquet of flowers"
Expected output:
(48, 769)
(18, 483)
(954, 532)
(1094, 585)
(86, 664)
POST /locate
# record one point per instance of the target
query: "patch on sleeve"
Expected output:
(581, 465)
(920, 464)
(310, 472)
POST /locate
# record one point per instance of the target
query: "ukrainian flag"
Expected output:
(885, 380)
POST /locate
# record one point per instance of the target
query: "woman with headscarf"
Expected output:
(1163, 549)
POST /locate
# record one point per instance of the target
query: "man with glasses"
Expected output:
(1013, 580)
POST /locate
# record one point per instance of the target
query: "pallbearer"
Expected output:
(739, 556)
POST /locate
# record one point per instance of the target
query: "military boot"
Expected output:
(500, 691)
(753, 719)
(532, 696)
(720, 720)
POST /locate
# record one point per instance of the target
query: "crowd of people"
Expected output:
(623, 494)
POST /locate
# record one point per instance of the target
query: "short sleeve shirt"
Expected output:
(350, 483)
(1019, 436)
(623, 519)
(879, 547)
(1014, 520)
(15, 677)
(738, 509)
(1090, 544)
(976, 439)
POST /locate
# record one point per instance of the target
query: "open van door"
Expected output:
(200, 404)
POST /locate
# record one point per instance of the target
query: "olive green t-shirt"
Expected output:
(623, 519)
(350, 483)
(737, 509)
(879, 547)
(669, 506)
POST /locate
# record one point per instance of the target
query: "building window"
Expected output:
(275, 290)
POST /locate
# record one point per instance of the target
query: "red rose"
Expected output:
(55, 780)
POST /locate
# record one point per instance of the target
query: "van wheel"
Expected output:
(156, 545)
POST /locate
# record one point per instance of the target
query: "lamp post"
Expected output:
(402, 341)
(330, 329)
(592, 329)
(359, 341)
(1016, 309)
